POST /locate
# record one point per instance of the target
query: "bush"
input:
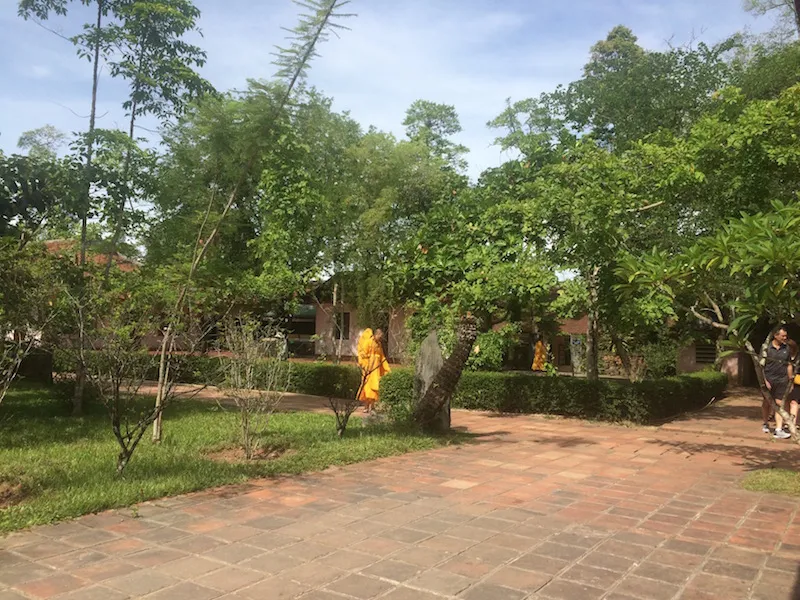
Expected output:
(315, 379)
(606, 400)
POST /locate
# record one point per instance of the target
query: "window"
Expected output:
(705, 354)
(342, 326)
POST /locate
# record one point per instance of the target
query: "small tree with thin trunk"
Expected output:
(255, 378)
(293, 62)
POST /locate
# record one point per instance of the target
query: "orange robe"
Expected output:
(373, 365)
(538, 357)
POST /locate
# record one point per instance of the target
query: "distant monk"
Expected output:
(373, 365)
(539, 356)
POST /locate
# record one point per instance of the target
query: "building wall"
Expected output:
(325, 342)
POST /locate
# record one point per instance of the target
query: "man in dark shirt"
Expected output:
(776, 373)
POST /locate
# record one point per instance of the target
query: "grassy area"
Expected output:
(773, 481)
(65, 466)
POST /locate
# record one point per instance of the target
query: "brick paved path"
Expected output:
(535, 508)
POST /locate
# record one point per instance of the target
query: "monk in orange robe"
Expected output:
(373, 365)
(539, 356)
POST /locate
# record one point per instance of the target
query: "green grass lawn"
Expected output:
(773, 481)
(66, 465)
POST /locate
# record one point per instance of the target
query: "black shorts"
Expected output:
(778, 389)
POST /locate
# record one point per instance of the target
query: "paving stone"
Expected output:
(189, 568)
(359, 586)
(234, 553)
(141, 583)
(393, 570)
(576, 539)
(230, 579)
(186, 591)
(401, 593)
(591, 576)
(560, 589)
(320, 595)
(51, 586)
(275, 588)
(659, 572)
(618, 564)
(440, 582)
(540, 564)
(687, 547)
(95, 592)
(23, 572)
(271, 563)
(678, 560)
(729, 569)
(488, 591)
(722, 586)
(348, 560)
(405, 535)
(519, 579)
(633, 552)
(560, 551)
(154, 557)
(646, 589)
(739, 556)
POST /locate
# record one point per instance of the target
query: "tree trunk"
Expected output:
(163, 375)
(336, 325)
(80, 372)
(797, 16)
(432, 411)
(592, 371)
(624, 357)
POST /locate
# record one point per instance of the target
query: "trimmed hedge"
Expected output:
(316, 379)
(606, 400)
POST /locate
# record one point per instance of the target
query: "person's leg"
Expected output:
(778, 393)
(766, 411)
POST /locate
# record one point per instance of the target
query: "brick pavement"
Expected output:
(534, 508)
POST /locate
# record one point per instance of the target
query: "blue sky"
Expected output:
(470, 53)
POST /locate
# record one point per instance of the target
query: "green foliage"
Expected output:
(433, 124)
(660, 358)
(65, 462)
(605, 400)
(315, 379)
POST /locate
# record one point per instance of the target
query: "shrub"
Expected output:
(661, 359)
(606, 400)
(315, 379)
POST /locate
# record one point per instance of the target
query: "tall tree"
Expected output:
(787, 13)
(94, 43)
(43, 142)
(293, 63)
(433, 124)
(158, 64)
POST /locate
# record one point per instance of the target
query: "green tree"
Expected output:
(43, 142)
(433, 124)
(469, 265)
(292, 62)
(787, 15)
(158, 64)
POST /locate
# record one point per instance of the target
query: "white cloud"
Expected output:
(470, 53)
(40, 72)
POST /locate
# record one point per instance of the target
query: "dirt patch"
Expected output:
(235, 454)
(11, 493)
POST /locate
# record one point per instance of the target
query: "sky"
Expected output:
(473, 54)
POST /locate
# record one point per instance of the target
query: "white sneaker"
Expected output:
(781, 434)
(765, 428)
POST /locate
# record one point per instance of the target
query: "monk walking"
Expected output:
(373, 365)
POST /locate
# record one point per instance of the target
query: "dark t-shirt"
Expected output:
(776, 368)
